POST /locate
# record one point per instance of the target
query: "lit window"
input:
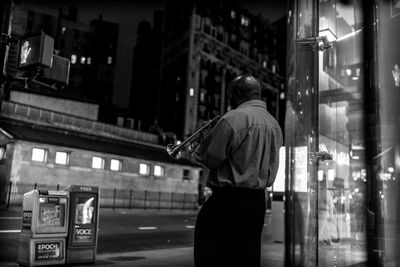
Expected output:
(191, 92)
(233, 14)
(62, 158)
(109, 60)
(97, 163)
(73, 59)
(63, 30)
(273, 68)
(144, 169)
(115, 165)
(120, 121)
(89, 61)
(264, 64)
(39, 154)
(83, 60)
(244, 21)
(158, 170)
(202, 96)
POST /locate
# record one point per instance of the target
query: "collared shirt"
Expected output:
(242, 150)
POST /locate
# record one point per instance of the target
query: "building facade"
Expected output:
(47, 147)
(205, 46)
(342, 144)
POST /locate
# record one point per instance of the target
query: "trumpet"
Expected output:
(192, 142)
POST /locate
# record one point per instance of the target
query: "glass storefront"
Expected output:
(342, 133)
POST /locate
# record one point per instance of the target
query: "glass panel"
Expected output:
(384, 142)
(301, 139)
(51, 211)
(84, 210)
(342, 180)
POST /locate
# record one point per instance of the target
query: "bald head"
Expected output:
(243, 88)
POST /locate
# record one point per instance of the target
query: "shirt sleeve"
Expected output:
(216, 146)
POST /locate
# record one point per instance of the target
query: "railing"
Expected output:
(12, 194)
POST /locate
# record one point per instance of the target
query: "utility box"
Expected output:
(83, 224)
(44, 228)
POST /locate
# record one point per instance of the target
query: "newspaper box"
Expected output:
(44, 228)
(83, 224)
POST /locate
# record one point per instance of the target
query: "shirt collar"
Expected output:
(253, 103)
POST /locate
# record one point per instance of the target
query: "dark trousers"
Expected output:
(228, 229)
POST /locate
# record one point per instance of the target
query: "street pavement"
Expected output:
(177, 256)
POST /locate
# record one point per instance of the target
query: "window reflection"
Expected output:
(341, 196)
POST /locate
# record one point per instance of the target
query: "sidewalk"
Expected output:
(272, 253)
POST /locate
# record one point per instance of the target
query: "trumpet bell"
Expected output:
(174, 151)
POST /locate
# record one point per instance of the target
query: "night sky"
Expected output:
(128, 14)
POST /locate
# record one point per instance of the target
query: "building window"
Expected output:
(120, 121)
(98, 163)
(274, 68)
(158, 170)
(233, 14)
(144, 169)
(63, 30)
(186, 175)
(244, 21)
(115, 165)
(191, 92)
(62, 158)
(89, 61)
(202, 96)
(264, 64)
(73, 59)
(83, 60)
(109, 60)
(130, 123)
(39, 154)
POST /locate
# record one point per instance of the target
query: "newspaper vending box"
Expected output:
(44, 228)
(83, 224)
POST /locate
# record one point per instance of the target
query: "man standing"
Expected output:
(242, 154)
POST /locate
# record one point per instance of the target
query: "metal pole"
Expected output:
(172, 200)
(9, 194)
(114, 196)
(145, 198)
(159, 199)
(130, 198)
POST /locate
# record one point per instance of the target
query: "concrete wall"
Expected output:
(79, 171)
(71, 107)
